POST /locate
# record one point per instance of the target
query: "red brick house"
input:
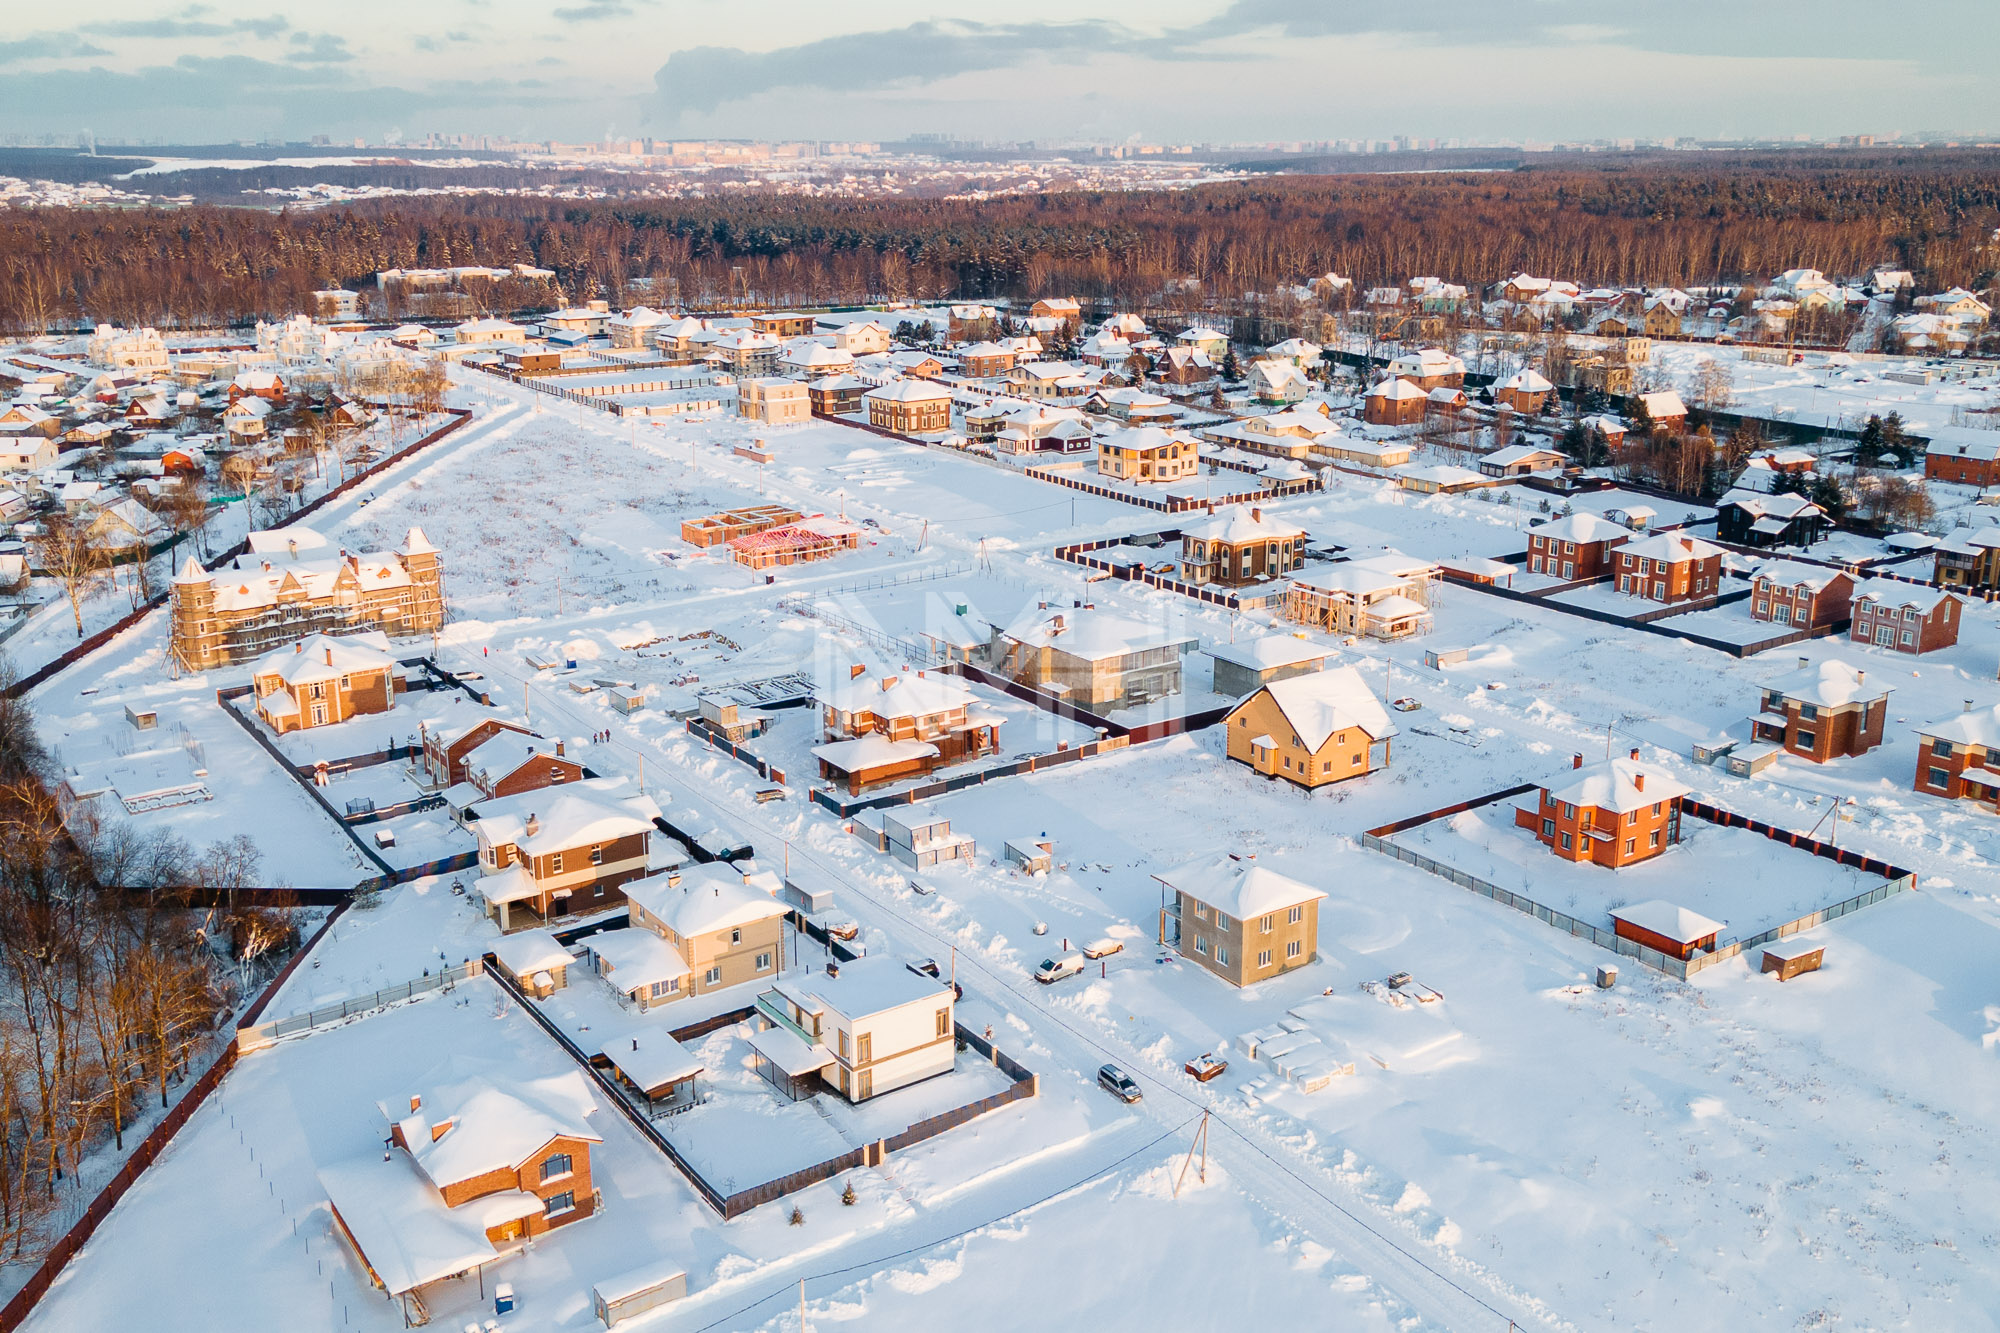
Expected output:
(1957, 759)
(1667, 567)
(446, 747)
(510, 764)
(1822, 712)
(265, 384)
(1666, 411)
(928, 721)
(560, 852)
(1577, 547)
(1611, 814)
(1905, 617)
(1964, 455)
(1786, 592)
(1526, 391)
(322, 680)
(1394, 402)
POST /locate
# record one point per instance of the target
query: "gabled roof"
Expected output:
(1090, 635)
(1974, 726)
(1795, 574)
(491, 1129)
(1666, 403)
(1614, 785)
(1580, 527)
(1396, 388)
(1892, 592)
(1322, 703)
(320, 657)
(1238, 885)
(910, 391)
(1659, 917)
(1240, 524)
(1670, 547)
(906, 695)
(1829, 684)
(708, 898)
(594, 810)
(1526, 380)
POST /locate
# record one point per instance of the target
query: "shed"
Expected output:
(642, 1289)
(1751, 759)
(1676, 931)
(660, 1068)
(1437, 659)
(1793, 957)
(1033, 855)
(1709, 752)
(627, 699)
(142, 719)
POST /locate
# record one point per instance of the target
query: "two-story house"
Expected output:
(1092, 658)
(1311, 730)
(909, 407)
(727, 926)
(929, 721)
(1576, 547)
(1822, 712)
(1667, 567)
(1812, 597)
(1752, 518)
(1384, 596)
(1239, 546)
(321, 680)
(1905, 617)
(561, 851)
(1239, 920)
(863, 1028)
(1147, 454)
(1959, 758)
(1610, 814)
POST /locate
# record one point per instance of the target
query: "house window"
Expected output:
(1938, 778)
(1763, 607)
(1654, 841)
(1631, 846)
(555, 863)
(660, 990)
(1326, 766)
(1295, 915)
(1264, 924)
(712, 976)
(1885, 635)
(1548, 828)
(1942, 749)
(1807, 740)
(558, 1204)
(557, 1164)
(1200, 945)
(1808, 712)
(764, 962)
(1569, 811)
(1264, 958)
(1200, 912)
(864, 1048)
(736, 936)
(597, 856)
(1221, 919)
(1355, 762)
(944, 1022)
(1294, 949)
(1567, 843)
(1222, 955)
(1909, 637)
(1631, 816)
(1656, 806)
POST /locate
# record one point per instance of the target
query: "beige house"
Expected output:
(1385, 596)
(1311, 730)
(726, 926)
(1243, 922)
(862, 1028)
(1095, 659)
(1147, 454)
(775, 402)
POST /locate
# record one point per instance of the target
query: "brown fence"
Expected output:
(1025, 1084)
(15, 1312)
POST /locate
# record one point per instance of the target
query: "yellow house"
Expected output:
(728, 927)
(1311, 730)
(1148, 454)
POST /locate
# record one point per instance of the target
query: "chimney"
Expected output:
(854, 672)
(329, 654)
(534, 825)
(1576, 761)
(1256, 514)
(559, 749)
(1860, 676)
(416, 1102)
(889, 683)
(635, 1043)
(1638, 782)
(1635, 752)
(1804, 662)
(1968, 705)
(299, 647)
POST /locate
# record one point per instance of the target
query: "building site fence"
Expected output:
(258, 1036)
(1650, 622)
(1895, 880)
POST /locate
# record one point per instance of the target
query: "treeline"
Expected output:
(105, 995)
(1663, 224)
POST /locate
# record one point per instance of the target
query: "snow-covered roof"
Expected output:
(910, 694)
(1618, 785)
(1427, 361)
(708, 898)
(1665, 403)
(595, 810)
(1795, 574)
(1893, 592)
(872, 751)
(1660, 917)
(401, 1223)
(1090, 635)
(1237, 885)
(864, 988)
(1241, 524)
(527, 952)
(1526, 380)
(1521, 453)
(1144, 439)
(1396, 389)
(1324, 702)
(1974, 726)
(637, 958)
(321, 658)
(1580, 527)
(1269, 651)
(481, 1128)
(505, 752)
(1786, 506)
(649, 1057)
(1671, 547)
(1964, 442)
(910, 391)
(1829, 684)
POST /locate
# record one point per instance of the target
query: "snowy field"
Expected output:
(1664, 1155)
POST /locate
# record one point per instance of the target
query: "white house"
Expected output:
(866, 1027)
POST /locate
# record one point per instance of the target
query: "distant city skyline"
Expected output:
(1180, 71)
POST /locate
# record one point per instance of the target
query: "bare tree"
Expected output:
(72, 554)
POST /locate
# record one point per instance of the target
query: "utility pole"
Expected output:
(1200, 1144)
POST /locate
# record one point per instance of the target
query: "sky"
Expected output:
(1166, 71)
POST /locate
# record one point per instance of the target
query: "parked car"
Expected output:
(1102, 949)
(1118, 1083)
(1062, 965)
(927, 966)
(1205, 1067)
(843, 930)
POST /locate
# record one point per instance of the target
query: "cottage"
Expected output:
(472, 1168)
(1667, 567)
(837, 395)
(910, 407)
(1959, 758)
(986, 360)
(322, 680)
(927, 721)
(1247, 665)
(1311, 730)
(1184, 366)
(27, 453)
(1752, 518)
(1612, 814)
(1522, 460)
(1394, 402)
(1240, 921)
(1429, 368)
(1822, 712)
(1274, 381)
(864, 1028)
(1445, 402)
(265, 384)
(774, 402)
(534, 960)
(1810, 597)
(1441, 479)
(1240, 546)
(1386, 596)
(448, 744)
(1576, 547)
(1061, 308)
(1963, 455)
(971, 323)
(1359, 449)
(1147, 454)
(512, 762)
(1526, 390)
(1665, 411)
(1095, 659)
(1905, 617)
(554, 853)
(727, 926)
(1970, 561)
(816, 360)
(1663, 926)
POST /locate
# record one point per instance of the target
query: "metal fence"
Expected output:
(264, 1034)
(1644, 620)
(1033, 763)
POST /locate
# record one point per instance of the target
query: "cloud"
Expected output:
(593, 10)
(320, 48)
(190, 23)
(702, 78)
(46, 46)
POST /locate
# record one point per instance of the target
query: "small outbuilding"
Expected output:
(1675, 931)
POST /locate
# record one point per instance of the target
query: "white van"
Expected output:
(1062, 965)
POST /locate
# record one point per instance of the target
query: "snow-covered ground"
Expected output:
(1663, 1155)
